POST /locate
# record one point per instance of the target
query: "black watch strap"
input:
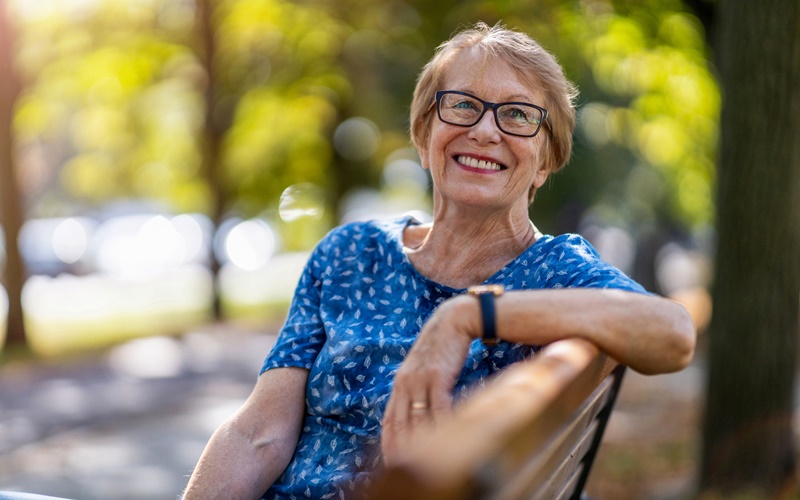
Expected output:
(486, 296)
(488, 318)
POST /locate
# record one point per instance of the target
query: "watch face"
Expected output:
(495, 290)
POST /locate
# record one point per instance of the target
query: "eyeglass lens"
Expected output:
(512, 118)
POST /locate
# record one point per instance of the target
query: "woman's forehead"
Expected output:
(489, 77)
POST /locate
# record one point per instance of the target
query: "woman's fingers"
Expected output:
(407, 413)
(394, 429)
(421, 395)
(401, 436)
(441, 405)
(409, 405)
(420, 410)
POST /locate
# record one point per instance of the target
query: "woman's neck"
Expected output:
(467, 250)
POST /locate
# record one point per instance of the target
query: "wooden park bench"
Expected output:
(532, 432)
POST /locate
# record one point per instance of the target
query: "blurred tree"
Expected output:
(650, 100)
(748, 443)
(214, 128)
(281, 85)
(11, 214)
(223, 106)
(121, 113)
(125, 102)
(645, 141)
(111, 108)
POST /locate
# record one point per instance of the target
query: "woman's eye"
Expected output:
(464, 105)
(519, 115)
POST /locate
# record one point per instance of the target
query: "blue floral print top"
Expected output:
(356, 312)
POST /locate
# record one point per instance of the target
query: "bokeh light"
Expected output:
(153, 357)
(53, 245)
(302, 200)
(405, 173)
(356, 139)
(143, 244)
(70, 241)
(248, 244)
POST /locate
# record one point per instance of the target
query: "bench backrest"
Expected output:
(530, 433)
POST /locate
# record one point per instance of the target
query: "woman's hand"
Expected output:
(422, 392)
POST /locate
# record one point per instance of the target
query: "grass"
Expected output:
(68, 314)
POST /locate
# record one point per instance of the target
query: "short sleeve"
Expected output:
(303, 333)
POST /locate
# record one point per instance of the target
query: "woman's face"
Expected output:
(480, 165)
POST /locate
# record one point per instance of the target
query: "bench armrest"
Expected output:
(513, 434)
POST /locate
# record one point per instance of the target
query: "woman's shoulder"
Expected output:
(570, 260)
(364, 234)
(566, 246)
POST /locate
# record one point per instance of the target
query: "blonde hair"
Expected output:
(529, 59)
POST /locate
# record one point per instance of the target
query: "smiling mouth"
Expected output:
(479, 164)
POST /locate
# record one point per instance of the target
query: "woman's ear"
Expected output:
(541, 176)
(423, 157)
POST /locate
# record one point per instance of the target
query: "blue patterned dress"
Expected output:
(357, 310)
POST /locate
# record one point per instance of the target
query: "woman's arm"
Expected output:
(647, 333)
(250, 450)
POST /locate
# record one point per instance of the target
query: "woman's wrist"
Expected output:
(465, 313)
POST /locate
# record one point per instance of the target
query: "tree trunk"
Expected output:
(748, 442)
(11, 216)
(212, 130)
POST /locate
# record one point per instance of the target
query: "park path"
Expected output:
(127, 423)
(131, 422)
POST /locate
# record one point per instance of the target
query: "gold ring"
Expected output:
(419, 405)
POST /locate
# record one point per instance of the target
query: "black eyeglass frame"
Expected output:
(493, 106)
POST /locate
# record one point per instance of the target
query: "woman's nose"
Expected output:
(486, 129)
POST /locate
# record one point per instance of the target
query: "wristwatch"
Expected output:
(486, 295)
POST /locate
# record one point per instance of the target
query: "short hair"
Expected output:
(533, 63)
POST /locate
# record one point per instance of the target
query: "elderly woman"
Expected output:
(393, 321)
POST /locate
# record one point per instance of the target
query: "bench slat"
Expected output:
(568, 491)
(492, 437)
(548, 465)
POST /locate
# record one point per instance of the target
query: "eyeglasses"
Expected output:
(514, 118)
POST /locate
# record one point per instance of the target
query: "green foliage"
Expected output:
(278, 61)
(666, 102)
(114, 100)
(111, 108)
(648, 110)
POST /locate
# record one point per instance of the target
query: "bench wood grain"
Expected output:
(532, 432)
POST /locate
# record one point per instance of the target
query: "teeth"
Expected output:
(480, 164)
